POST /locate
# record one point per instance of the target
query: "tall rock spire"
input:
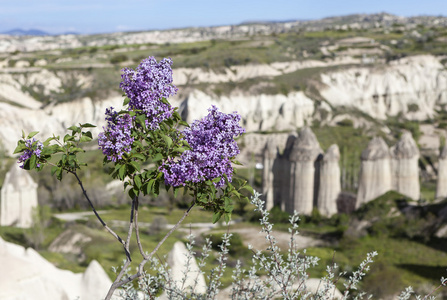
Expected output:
(304, 176)
(375, 172)
(270, 153)
(441, 186)
(406, 166)
(330, 186)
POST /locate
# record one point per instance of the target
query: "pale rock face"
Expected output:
(441, 186)
(303, 165)
(386, 91)
(177, 260)
(330, 185)
(184, 76)
(30, 276)
(259, 112)
(375, 172)
(18, 198)
(53, 119)
(405, 166)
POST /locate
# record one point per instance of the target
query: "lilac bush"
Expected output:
(212, 148)
(117, 136)
(146, 86)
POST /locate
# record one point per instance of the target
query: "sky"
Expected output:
(100, 16)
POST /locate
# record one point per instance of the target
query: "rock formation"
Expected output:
(375, 171)
(269, 155)
(177, 260)
(18, 198)
(281, 171)
(393, 89)
(330, 185)
(405, 156)
(30, 276)
(304, 176)
(441, 186)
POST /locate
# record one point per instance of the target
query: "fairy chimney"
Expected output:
(269, 156)
(406, 167)
(441, 187)
(330, 186)
(375, 171)
(281, 175)
(18, 198)
(304, 176)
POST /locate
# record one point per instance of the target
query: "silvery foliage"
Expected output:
(286, 277)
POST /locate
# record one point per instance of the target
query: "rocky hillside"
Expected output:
(360, 69)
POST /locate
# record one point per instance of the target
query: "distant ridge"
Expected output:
(18, 31)
(34, 32)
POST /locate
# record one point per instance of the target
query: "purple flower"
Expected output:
(33, 147)
(146, 86)
(116, 138)
(212, 147)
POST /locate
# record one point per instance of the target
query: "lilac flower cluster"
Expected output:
(146, 86)
(116, 138)
(33, 147)
(212, 146)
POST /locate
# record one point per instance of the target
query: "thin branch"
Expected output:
(140, 271)
(137, 231)
(126, 247)
(99, 218)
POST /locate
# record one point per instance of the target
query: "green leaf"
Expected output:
(32, 134)
(157, 188)
(23, 134)
(87, 125)
(140, 119)
(236, 162)
(74, 128)
(33, 162)
(149, 186)
(47, 141)
(176, 115)
(53, 170)
(75, 150)
(167, 140)
(68, 137)
(122, 172)
(236, 193)
(126, 101)
(228, 205)
(227, 217)
(183, 123)
(85, 138)
(216, 217)
(20, 147)
(217, 179)
(88, 133)
(139, 156)
(59, 174)
(179, 149)
(157, 157)
(133, 193)
(137, 180)
(135, 165)
(248, 188)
